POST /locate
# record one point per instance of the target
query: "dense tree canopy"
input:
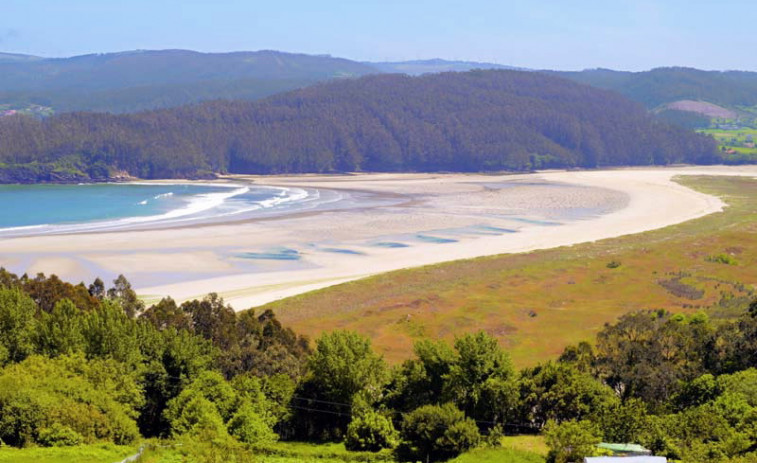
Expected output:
(474, 121)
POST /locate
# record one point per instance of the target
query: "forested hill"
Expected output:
(151, 79)
(475, 121)
(666, 85)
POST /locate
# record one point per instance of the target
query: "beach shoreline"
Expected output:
(336, 246)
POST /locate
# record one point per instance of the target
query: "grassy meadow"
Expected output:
(537, 303)
(741, 141)
(95, 453)
(519, 449)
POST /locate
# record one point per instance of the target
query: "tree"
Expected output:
(649, 354)
(59, 400)
(421, 381)
(369, 430)
(559, 392)
(436, 433)
(126, 297)
(167, 314)
(17, 325)
(61, 331)
(482, 380)
(626, 422)
(211, 386)
(342, 365)
(250, 426)
(97, 289)
(213, 320)
(571, 441)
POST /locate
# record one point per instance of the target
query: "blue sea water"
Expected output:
(71, 208)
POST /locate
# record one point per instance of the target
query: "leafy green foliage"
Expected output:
(17, 325)
(342, 366)
(571, 441)
(482, 380)
(57, 401)
(370, 431)
(251, 425)
(436, 433)
(559, 392)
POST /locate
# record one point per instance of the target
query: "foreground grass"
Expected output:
(97, 453)
(503, 455)
(279, 452)
(295, 452)
(526, 443)
(539, 302)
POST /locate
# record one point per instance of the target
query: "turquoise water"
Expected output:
(71, 208)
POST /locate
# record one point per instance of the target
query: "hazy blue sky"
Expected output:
(564, 34)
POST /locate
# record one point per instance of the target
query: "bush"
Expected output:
(726, 259)
(58, 435)
(436, 433)
(199, 417)
(370, 431)
(250, 427)
(571, 441)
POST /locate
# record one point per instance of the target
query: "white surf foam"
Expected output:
(205, 206)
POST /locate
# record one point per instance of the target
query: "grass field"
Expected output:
(537, 303)
(498, 456)
(520, 449)
(96, 453)
(736, 140)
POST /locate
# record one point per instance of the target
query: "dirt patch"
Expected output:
(703, 107)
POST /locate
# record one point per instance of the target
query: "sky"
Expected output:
(629, 35)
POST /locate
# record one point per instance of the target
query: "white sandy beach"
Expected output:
(207, 257)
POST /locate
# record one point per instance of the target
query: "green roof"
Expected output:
(623, 448)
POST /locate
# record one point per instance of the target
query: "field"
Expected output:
(96, 453)
(738, 142)
(513, 450)
(537, 303)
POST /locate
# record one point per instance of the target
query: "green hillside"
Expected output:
(474, 121)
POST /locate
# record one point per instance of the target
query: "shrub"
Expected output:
(371, 431)
(726, 259)
(58, 435)
(571, 441)
(250, 427)
(436, 433)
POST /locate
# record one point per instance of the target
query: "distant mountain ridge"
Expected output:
(662, 86)
(430, 66)
(139, 80)
(17, 57)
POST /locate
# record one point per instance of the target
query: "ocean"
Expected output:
(50, 209)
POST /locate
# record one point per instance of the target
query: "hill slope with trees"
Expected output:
(474, 121)
(666, 85)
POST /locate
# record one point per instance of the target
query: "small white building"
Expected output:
(633, 459)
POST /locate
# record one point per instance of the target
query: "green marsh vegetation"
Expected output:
(538, 303)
